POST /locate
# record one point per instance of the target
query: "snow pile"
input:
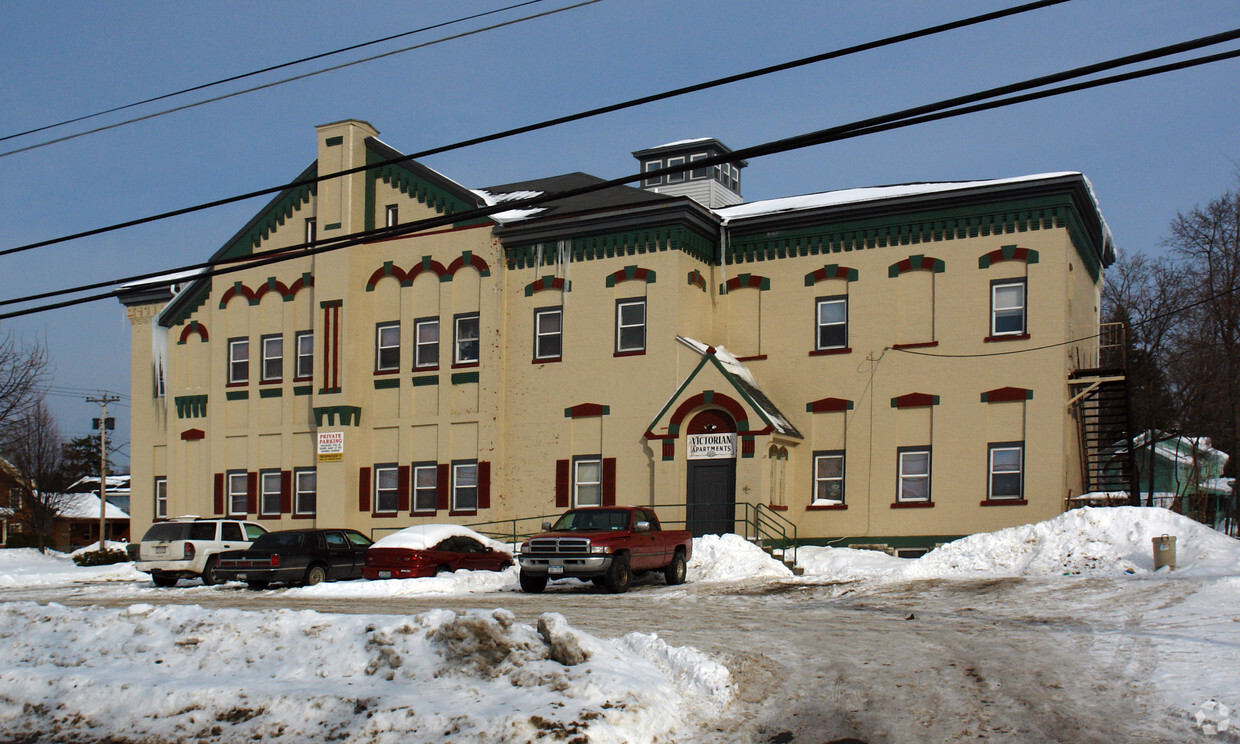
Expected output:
(729, 558)
(180, 674)
(460, 582)
(1109, 541)
(21, 567)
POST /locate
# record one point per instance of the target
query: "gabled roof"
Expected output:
(743, 383)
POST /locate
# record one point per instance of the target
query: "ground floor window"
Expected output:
(238, 493)
(588, 480)
(269, 493)
(829, 478)
(465, 485)
(1007, 460)
(425, 486)
(161, 498)
(914, 479)
(305, 491)
(387, 482)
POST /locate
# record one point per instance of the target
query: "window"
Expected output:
(832, 323)
(1007, 307)
(238, 492)
(269, 492)
(391, 219)
(829, 478)
(15, 499)
(305, 356)
(548, 333)
(466, 339)
(698, 173)
(630, 326)
(675, 177)
(311, 230)
(426, 343)
(158, 383)
(231, 531)
(588, 481)
(161, 498)
(653, 165)
(386, 485)
(238, 361)
(273, 358)
(465, 486)
(387, 347)
(1007, 460)
(914, 474)
(305, 491)
(425, 486)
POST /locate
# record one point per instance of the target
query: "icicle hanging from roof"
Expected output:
(159, 358)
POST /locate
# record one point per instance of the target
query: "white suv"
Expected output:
(185, 547)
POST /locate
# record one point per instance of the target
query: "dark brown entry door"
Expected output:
(712, 497)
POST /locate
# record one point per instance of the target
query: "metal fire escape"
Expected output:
(1100, 404)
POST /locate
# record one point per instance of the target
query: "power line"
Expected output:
(272, 68)
(909, 117)
(303, 76)
(867, 46)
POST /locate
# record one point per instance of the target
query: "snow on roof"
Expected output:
(678, 143)
(1181, 450)
(172, 278)
(512, 215)
(868, 194)
(91, 483)
(86, 506)
(423, 536)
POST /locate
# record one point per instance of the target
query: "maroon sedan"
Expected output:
(432, 549)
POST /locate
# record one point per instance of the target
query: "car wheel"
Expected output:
(208, 573)
(258, 584)
(675, 572)
(164, 581)
(618, 576)
(532, 584)
(315, 575)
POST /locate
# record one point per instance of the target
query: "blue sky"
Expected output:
(1151, 147)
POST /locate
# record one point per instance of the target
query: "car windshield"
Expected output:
(592, 519)
(279, 541)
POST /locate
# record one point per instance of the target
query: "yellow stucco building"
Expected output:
(883, 366)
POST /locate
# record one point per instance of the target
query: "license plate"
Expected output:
(241, 577)
(385, 574)
(555, 570)
(159, 550)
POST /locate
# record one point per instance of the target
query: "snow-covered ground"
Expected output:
(194, 673)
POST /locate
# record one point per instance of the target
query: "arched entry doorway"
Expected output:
(711, 474)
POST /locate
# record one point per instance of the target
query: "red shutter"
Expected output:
(443, 476)
(609, 481)
(363, 489)
(251, 493)
(562, 490)
(484, 485)
(402, 488)
(219, 494)
(286, 492)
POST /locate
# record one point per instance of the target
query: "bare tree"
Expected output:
(33, 445)
(23, 372)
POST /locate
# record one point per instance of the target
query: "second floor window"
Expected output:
(305, 356)
(273, 358)
(387, 347)
(630, 326)
(829, 478)
(832, 323)
(426, 343)
(914, 474)
(238, 361)
(1007, 308)
(588, 481)
(467, 335)
(548, 333)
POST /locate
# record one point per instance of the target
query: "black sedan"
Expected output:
(304, 557)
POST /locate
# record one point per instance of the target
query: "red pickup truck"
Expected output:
(607, 545)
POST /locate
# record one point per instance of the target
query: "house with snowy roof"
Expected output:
(892, 366)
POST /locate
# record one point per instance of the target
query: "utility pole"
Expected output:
(103, 427)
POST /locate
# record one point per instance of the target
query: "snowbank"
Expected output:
(184, 673)
(20, 567)
(1107, 541)
(729, 558)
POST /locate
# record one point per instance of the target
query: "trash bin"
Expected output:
(1164, 552)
